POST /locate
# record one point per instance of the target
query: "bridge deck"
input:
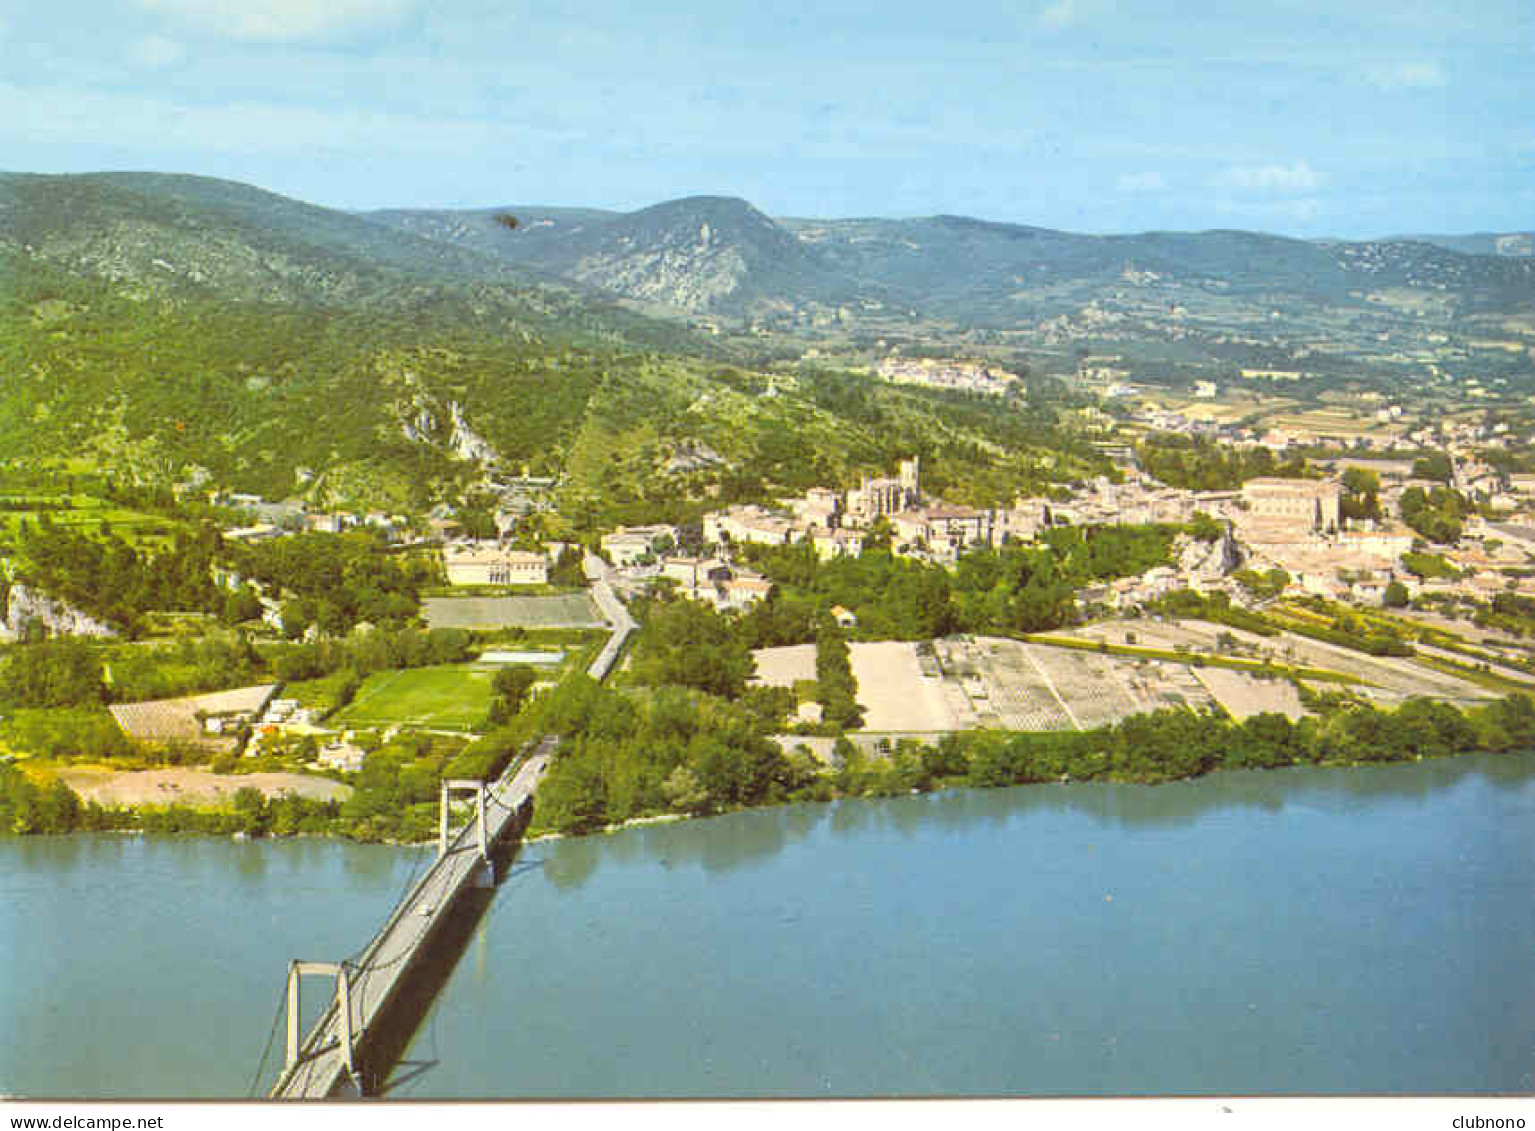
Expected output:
(321, 1069)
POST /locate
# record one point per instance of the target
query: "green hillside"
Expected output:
(375, 381)
(153, 388)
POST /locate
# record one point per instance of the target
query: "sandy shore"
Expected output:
(191, 787)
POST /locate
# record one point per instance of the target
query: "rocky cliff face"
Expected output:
(465, 442)
(702, 254)
(1210, 559)
(698, 254)
(422, 423)
(694, 273)
(27, 608)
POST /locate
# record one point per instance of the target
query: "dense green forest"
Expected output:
(354, 407)
(336, 581)
(666, 749)
(1437, 514)
(1015, 589)
(253, 392)
(688, 644)
(112, 581)
(1198, 464)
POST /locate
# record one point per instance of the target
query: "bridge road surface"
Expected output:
(600, 574)
(378, 975)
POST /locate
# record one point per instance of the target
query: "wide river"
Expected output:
(1368, 930)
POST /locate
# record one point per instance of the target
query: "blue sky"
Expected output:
(1356, 119)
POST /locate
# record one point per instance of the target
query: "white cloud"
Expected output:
(1299, 177)
(1059, 14)
(1405, 76)
(1150, 181)
(279, 20)
(62, 115)
(154, 52)
(1301, 211)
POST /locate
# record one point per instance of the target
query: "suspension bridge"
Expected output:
(347, 1052)
(351, 1049)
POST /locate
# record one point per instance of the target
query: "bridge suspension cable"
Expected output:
(265, 1052)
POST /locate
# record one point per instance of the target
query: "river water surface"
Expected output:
(1367, 930)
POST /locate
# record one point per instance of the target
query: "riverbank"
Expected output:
(583, 795)
(1166, 746)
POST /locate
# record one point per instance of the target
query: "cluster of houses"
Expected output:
(1391, 434)
(836, 523)
(1297, 525)
(966, 376)
(1294, 525)
(273, 519)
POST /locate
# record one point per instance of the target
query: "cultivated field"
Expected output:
(567, 610)
(895, 695)
(176, 720)
(85, 514)
(449, 697)
(1000, 684)
(898, 697)
(1244, 695)
(965, 682)
(1386, 679)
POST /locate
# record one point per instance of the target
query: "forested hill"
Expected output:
(183, 330)
(166, 233)
(178, 331)
(179, 238)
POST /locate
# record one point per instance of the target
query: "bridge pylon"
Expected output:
(460, 785)
(296, 970)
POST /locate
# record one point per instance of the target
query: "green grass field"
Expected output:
(565, 610)
(451, 697)
(87, 514)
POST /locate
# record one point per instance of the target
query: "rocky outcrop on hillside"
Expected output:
(1210, 559)
(690, 273)
(422, 423)
(705, 254)
(28, 608)
(465, 442)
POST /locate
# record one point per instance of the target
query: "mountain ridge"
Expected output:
(953, 266)
(180, 329)
(1175, 306)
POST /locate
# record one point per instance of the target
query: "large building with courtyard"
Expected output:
(486, 563)
(1306, 503)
